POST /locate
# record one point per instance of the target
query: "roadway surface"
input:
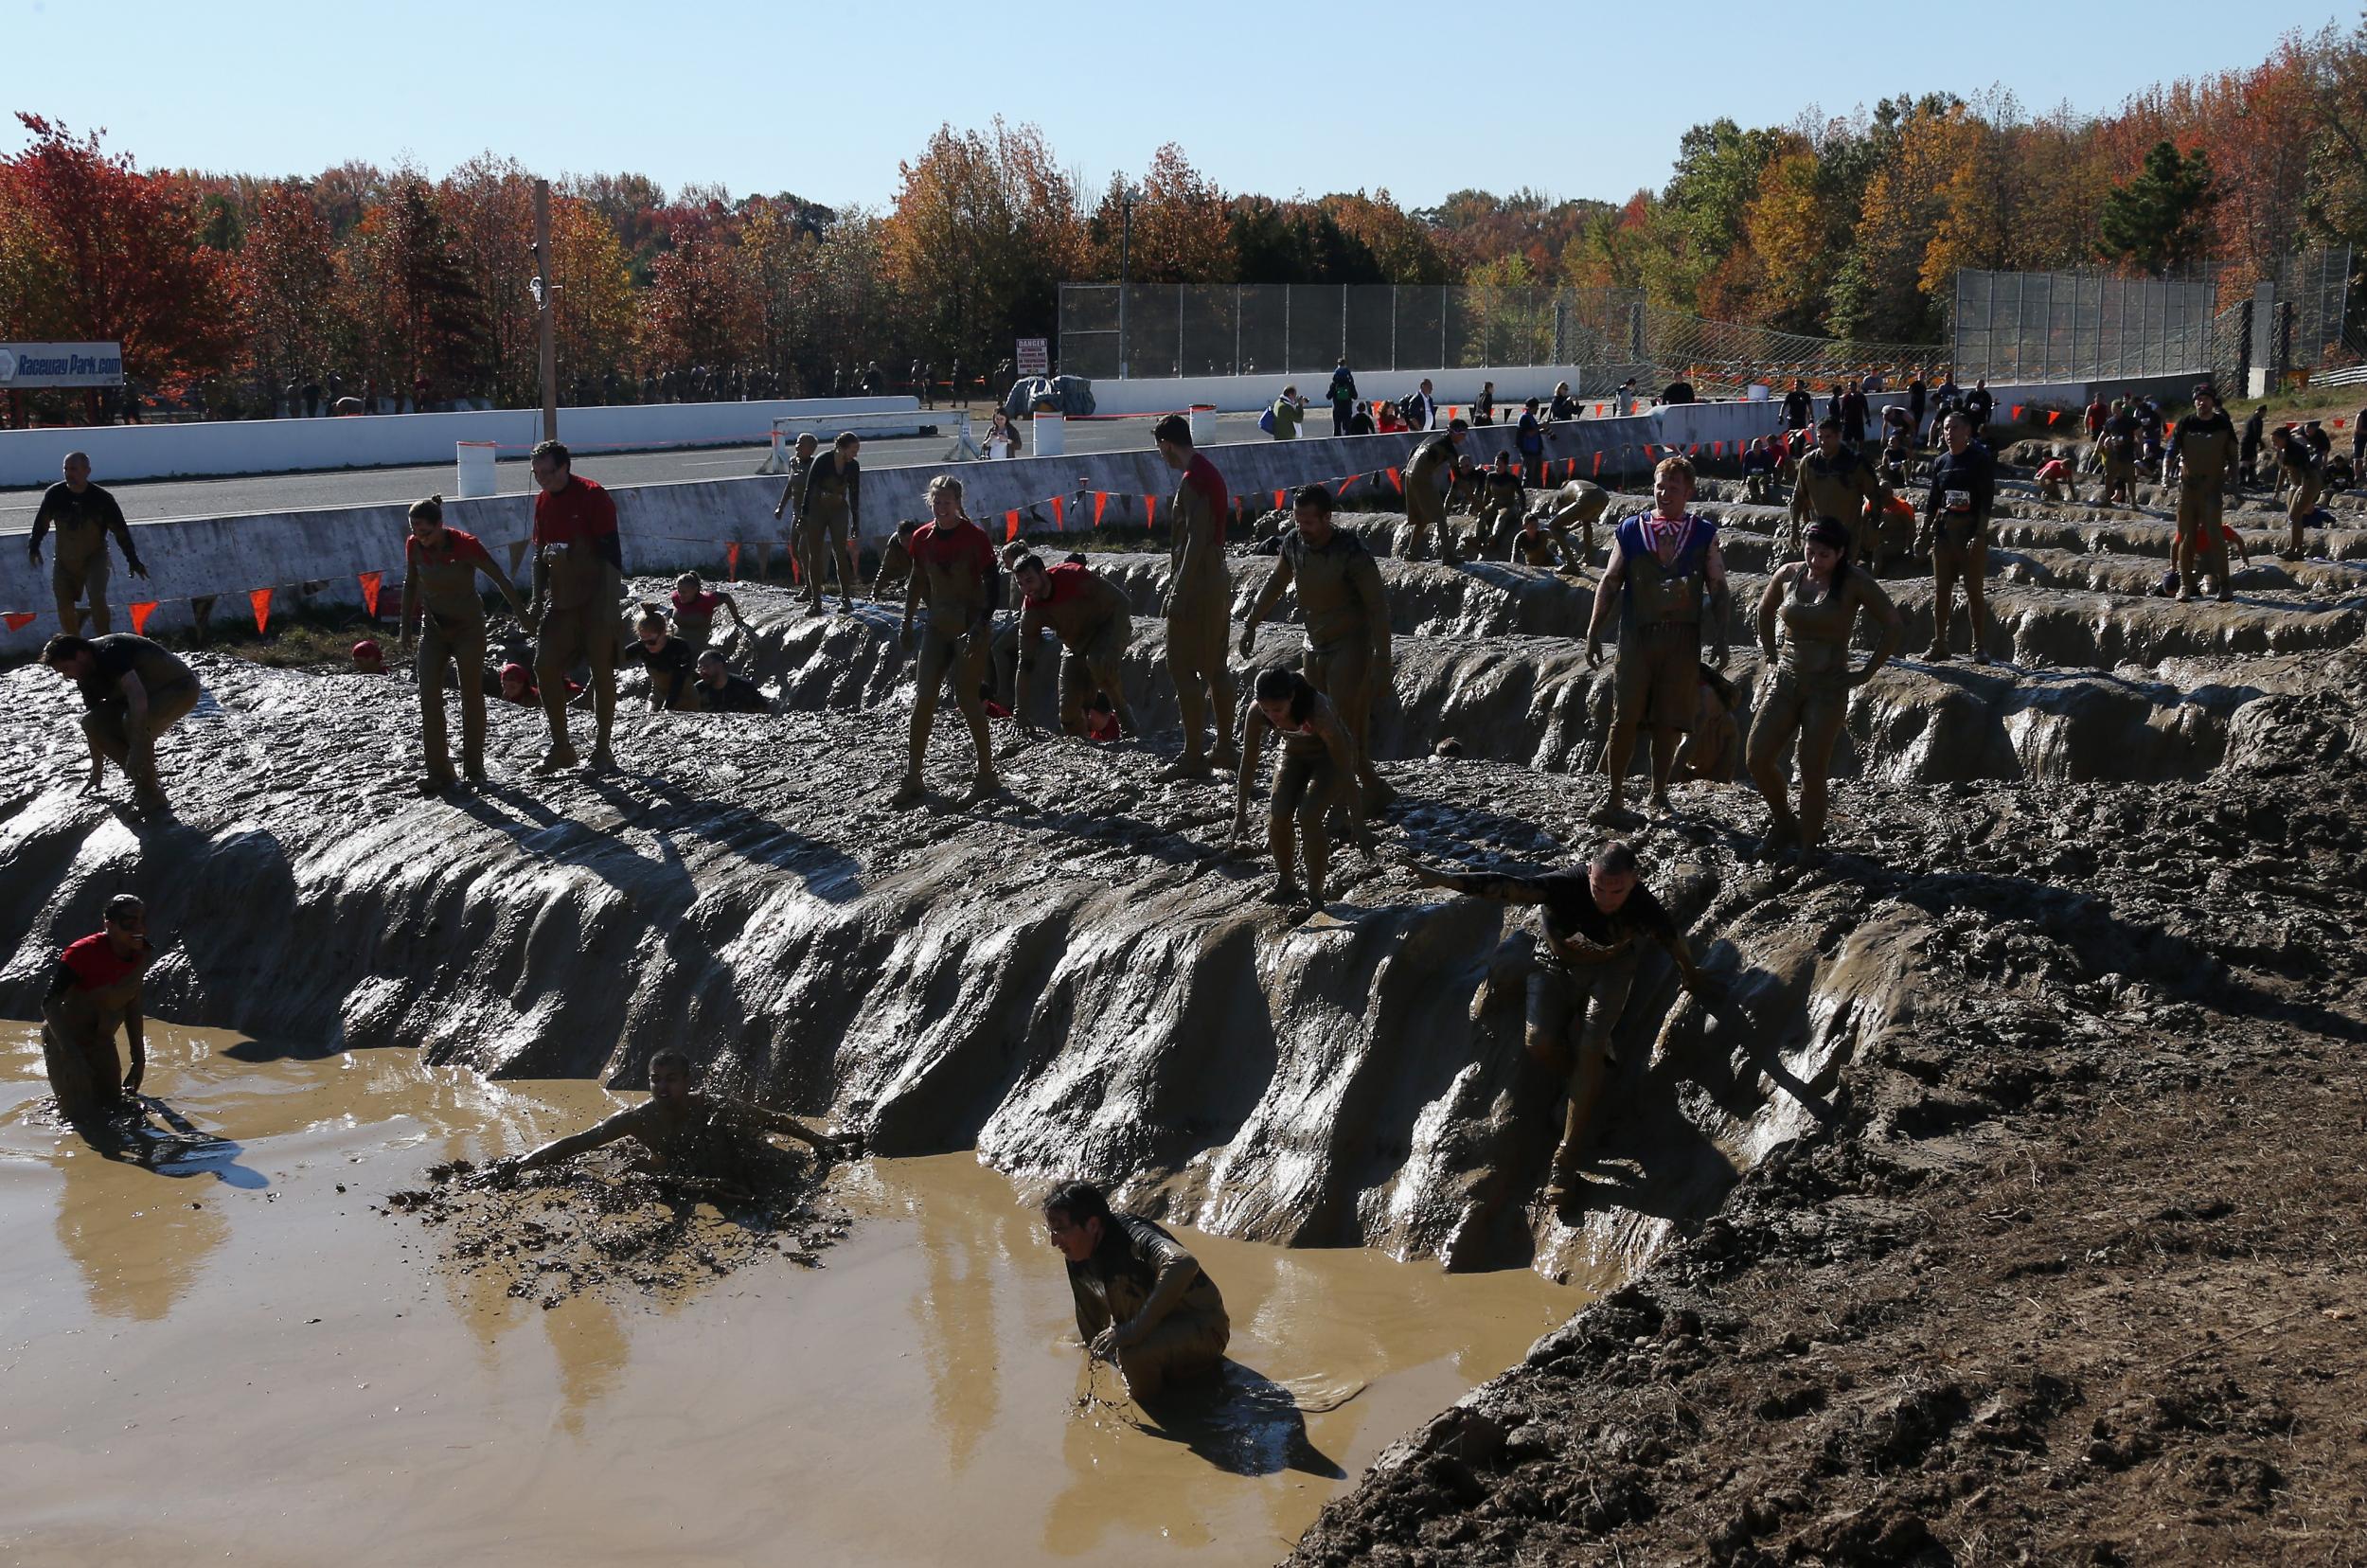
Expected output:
(155, 500)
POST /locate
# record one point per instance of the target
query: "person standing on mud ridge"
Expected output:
(85, 514)
(132, 691)
(685, 1133)
(1668, 577)
(829, 520)
(1343, 607)
(578, 577)
(2301, 470)
(694, 610)
(1956, 532)
(1836, 481)
(1317, 773)
(1805, 697)
(954, 576)
(2207, 451)
(1199, 603)
(443, 610)
(800, 462)
(1093, 620)
(1142, 1301)
(1591, 919)
(1427, 473)
(94, 991)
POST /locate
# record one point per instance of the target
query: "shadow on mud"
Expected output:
(1246, 1424)
(159, 1139)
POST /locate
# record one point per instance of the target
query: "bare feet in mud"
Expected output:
(557, 759)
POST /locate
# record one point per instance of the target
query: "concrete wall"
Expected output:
(30, 457)
(1245, 394)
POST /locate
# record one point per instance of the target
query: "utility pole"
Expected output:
(545, 307)
(1126, 245)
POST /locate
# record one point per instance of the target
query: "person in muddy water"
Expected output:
(444, 613)
(1806, 699)
(1317, 773)
(954, 577)
(685, 1133)
(1592, 920)
(1668, 577)
(578, 577)
(1143, 1302)
(94, 991)
(1344, 607)
(1093, 620)
(1956, 532)
(132, 691)
(1198, 602)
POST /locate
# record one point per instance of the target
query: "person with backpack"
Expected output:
(1284, 416)
(1342, 395)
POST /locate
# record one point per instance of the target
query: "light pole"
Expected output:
(1126, 246)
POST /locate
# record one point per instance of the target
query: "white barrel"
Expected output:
(1203, 424)
(476, 470)
(1051, 435)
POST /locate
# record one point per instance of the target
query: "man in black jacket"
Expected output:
(1956, 529)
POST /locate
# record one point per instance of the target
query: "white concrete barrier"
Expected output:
(474, 462)
(1051, 435)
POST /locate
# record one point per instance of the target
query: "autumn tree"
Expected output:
(1180, 231)
(594, 315)
(288, 275)
(983, 227)
(488, 202)
(700, 308)
(405, 280)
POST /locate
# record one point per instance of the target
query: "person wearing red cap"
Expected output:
(368, 658)
(95, 990)
(578, 579)
(442, 607)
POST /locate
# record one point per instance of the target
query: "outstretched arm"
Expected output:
(1483, 884)
(594, 1136)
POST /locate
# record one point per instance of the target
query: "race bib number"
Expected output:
(1957, 501)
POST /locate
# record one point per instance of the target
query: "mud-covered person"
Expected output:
(717, 690)
(829, 519)
(954, 578)
(1343, 607)
(800, 460)
(1315, 774)
(1093, 620)
(1503, 502)
(443, 615)
(1592, 920)
(578, 577)
(1955, 529)
(1198, 602)
(1814, 603)
(1581, 504)
(1835, 481)
(2300, 473)
(671, 662)
(1667, 577)
(694, 606)
(896, 560)
(1427, 476)
(134, 690)
(94, 991)
(84, 515)
(1142, 1300)
(1713, 747)
(2208, 451)
(686, 1132)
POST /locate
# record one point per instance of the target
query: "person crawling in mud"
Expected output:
(671, 661)
(685, 1133)
(132, 691)
(95, 990)
(695, 607)
(717, 690)
(1317, 773)
(1592, 920)
(1142, 1301)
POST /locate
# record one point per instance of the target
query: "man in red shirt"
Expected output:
(93, 991)
(439, 592)
(1199, 601)
(578, 579)
(954, 574)
(1094, 621)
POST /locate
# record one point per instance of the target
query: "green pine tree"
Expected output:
(2161, 218)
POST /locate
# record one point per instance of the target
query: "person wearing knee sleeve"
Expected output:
(1591, 919)
(1426, 476)
(1094, 621)
(1343, 609)
(954, 578)
(1315, 773)
(84, 515)
(1142, 1301)
(579, 578)
(443, 611)
(1956, 532)
(1198, 602)
(133, 692)
(830, 515)
(2208, 451)
(1804, 699)
(1668, 576)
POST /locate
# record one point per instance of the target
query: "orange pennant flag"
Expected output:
(1278, 499)
(1059, 516)
(1453, 412)
(1397, 479)
(794, 575)
(260, 599)
(2017, 411)
(1599, 464)
(1569, 470)
(139, 616)
(1101, 499)
(2053, 415)
(19, 619)
(1010, 525)
(369, 591)
(731, 559)
(1150, 511)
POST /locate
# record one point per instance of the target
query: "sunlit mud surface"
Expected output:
(228, 1356)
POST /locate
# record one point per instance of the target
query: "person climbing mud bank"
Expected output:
(1095, 624)
(94, 993)
(444, 613)
(1315, 774)
(132, 691)
(1345, 609)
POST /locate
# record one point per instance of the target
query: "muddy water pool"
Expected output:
(242, 1363)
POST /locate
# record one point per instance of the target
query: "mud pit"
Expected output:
(1072, 979)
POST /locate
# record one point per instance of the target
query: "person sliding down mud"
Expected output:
(694, 610)
(1317, 773)
(1809, 681)
(1142, 1301)
(1426, 474)
(443, 610)
(1668, 577)
(1344, 607)
(133, 691)
(685, 1133)
(1590, 919)
(953, 575)
(1199, 603)
(95, 990)
(578, 577)
(1579, 504)
(85, 514)
(1094, 621)
(1956, 532)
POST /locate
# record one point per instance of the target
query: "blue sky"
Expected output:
(1576, 99)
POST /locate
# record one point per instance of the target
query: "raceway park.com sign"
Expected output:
(29, 364)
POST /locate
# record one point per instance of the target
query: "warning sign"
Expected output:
(1034, 356)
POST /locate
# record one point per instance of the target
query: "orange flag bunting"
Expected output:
(2053, 415)
(731, 560)
(1599, 464)
(1397, 479)
(18, 620)
(1059, 516)
(2017, 411)
(260, 599)
(1150, 511)
(1570, 468)
(1101, 499)
(1278, 499)
(369, 591)
(1010, 525)
(139, 616)
(794, 575)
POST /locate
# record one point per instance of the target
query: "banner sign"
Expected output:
(29, 364)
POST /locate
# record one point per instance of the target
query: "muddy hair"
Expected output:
(1316, 497)
(62, 646)
(1616, 859)
(1031, 561)
(432, 505)
(669, 1058)
(1080, 1201)
(1833, 533)
(1274, 685)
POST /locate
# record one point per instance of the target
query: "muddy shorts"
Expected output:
(166, 707)
(70, 580)
(1960, 549)
(1590, 995)
(1305, 786)
(1811, 707)
(1659, 679)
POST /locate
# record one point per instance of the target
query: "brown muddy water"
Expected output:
(248, 1361)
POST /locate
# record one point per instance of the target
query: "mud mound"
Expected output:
(598, 1227)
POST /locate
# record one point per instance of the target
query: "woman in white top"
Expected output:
(1002, 437)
